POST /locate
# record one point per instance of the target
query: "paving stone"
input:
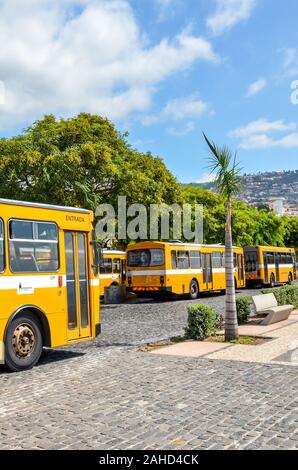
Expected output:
(106, 395)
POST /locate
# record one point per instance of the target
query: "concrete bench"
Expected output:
(266, 304)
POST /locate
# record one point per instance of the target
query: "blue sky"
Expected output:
(165, 70)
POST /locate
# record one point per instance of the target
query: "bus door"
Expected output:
(77, 285)
(240, 270)
(207, 271)
(266, 268)
(276, 262)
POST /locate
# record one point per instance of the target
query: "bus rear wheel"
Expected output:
(23, 343)
(193, 290)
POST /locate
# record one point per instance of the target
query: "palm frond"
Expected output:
(225, 167)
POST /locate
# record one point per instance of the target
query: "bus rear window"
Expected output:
(251, 261)
(145, 258)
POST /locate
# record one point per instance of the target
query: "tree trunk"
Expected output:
(231, 323)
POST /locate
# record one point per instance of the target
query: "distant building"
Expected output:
(277, 205)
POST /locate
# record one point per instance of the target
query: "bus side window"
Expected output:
(174, 260)
(216, 259)
(106, 266)
(2, 253)
(33, 246)
(183, 260)
(195, 259)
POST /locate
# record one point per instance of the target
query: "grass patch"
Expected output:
(243, 340)
(246, 340)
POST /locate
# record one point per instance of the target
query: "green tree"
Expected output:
(291, 231)
(81, 161)
(227, 172)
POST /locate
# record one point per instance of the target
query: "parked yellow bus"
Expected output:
(269, 265)
(180, 268)
(112, 269)
(49, 283)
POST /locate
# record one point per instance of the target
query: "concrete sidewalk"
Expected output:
(283, 349)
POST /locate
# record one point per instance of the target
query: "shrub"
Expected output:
(203, 322)
(243, 305)
(285, 295)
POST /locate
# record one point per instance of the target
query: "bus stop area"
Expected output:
(106, 394)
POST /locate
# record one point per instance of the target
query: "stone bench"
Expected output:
(266, 304)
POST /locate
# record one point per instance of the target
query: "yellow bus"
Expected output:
(112, 269)
(269, 265)
(49, 284)
(180, 268)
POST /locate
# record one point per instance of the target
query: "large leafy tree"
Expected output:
(82, 161)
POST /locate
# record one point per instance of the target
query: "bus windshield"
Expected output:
(145, 258)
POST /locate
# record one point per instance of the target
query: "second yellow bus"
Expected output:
(180, 268)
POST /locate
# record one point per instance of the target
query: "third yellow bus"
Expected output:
(269, 265)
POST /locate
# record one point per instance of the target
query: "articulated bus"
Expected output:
(181, 269)
(112, 269)
(269, 265)
(49, 284)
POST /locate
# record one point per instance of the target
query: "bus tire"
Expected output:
(194, 289)
(272, 280)
(23, 342)
(290, 278)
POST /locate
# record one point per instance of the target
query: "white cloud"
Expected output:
(256, 87)
(229, 13)
(185, 107)
(181, 132)
(257, 135)
(163, 7)
(290, 61)
(206, 178)
(84, 55)
(262, 126)
(188, 107)
(263, 141)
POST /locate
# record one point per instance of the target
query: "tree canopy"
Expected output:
(82, 161)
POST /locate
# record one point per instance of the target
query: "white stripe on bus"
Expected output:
(36, 282)
(174, 271)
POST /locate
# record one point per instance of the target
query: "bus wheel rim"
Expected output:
(23, 341)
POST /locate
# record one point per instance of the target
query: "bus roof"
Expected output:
(43, 206)
(178, 243)
(268, 248)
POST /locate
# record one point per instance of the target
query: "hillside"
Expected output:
(262, 188)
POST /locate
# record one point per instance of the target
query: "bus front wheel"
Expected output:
(290, 279)
(23, 343)
(193, 290)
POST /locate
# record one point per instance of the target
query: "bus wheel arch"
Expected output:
(23, 341)
(41, 317)
(194, 289)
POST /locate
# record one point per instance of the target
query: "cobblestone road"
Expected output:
(105, 395)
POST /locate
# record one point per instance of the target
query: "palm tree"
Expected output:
(226, 169)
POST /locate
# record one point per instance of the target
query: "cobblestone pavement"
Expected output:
(105, 395)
